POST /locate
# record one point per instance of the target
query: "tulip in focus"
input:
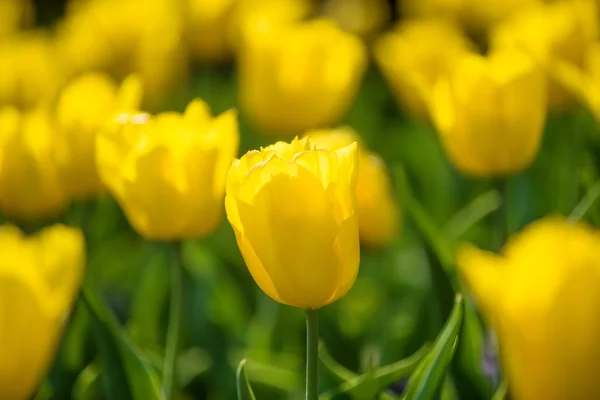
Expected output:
(378, 213)
(84, 107)
(553, 33)
(298, 77)
(490, 113)
(293, 210)
(415, 55)
(30, 184)
(39, 279)
(168, 171)
(542, 297)
(29, 74)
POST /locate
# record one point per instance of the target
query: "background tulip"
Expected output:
(378, 213)
(293, 210)
(297, 77)
(39, 279)
(30, 184)
(552, 33)
(490, 112)
(542, 296)
(415, 55)
(168, 171)
(84, 107)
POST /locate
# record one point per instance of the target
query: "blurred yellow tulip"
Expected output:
(30, 184)
(415, 55)
(542, 297)
(84, 107)
(378, 213)
(553, 33)
(39, 279)
(29, 74)
(414, 9)
(127, 37)
(364, 18)
(293, 210)
(298, 77)
(482, 15)
(207, 28)
(490, 112)
(14, 15)
(168, 171)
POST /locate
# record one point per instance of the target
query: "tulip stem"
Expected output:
(175, 320)
(312, 355)
(501, 221)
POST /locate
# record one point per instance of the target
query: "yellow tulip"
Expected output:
(553, 33)
(207, 28)
(251, 13)
(14, 15)
(39, 279)
(84, 107)
(168, 171)
(542, 297)
(126, 37)
(415, 55)
(490, 112)
(29, 74)
(293, 210)
(298, 77)
(378, 213)
(30, 184)
(448, 9)
(364, 18)
(483, 15)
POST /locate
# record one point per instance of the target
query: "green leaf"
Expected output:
(472, 213)
(501, 392)
(586, 203)
(87, 385)
(336, 370)
(125, 373)
(431, 372)
(244, 390)
(433, 236)
(369, 384)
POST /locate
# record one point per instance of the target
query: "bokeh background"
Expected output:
(189, 49)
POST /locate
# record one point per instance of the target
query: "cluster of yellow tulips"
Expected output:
(82, 117)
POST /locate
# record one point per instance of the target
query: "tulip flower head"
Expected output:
(542, 297)
(553, 33)
(490, 112)
(168, 171)
(415, 55)
(31, 188)
(299, 76)
(84, 107)
(39, 279)
(378, 213)
(292, 207)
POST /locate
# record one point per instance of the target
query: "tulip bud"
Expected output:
(207, 28)
(415, 55)
(378, 213)
(298, 77)
(293, 210)
(30, 184)
(542, 297)
(364, 18)
(84, 107)
(168, 171)
(490, 112)
(552, 33)
(14, 15)
(39, 279)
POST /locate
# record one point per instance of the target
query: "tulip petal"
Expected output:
(288, 220)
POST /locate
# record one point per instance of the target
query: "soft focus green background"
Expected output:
(400, 300)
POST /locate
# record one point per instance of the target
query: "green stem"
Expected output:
(312, 355)
(175, 320)
(501, 217)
